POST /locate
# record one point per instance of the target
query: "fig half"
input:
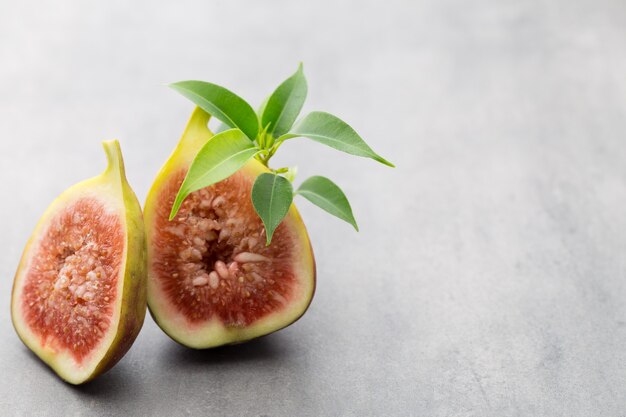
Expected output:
(211, 278)
(79, 294)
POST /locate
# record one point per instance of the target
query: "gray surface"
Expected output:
(489, 276)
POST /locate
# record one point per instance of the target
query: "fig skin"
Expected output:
(131, 298)
(214, 333)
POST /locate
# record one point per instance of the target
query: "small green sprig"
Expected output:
(247, 134)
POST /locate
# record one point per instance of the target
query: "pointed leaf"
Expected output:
(218, 159)
(261, 109)
(284, 105)
(328, 196)
(221, 104)
(334, 132)
(271, 196)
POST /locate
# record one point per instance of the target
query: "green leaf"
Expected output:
(271, 196)
(221, 104)
(334, 132)
(328, 196)
(284, 105)
(218, 159)
(261, 108)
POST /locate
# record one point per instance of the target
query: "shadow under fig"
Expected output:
(116, 382)
(266, 349)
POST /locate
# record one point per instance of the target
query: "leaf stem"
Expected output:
(268, 144)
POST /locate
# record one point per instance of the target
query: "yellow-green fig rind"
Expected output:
(112, 189)
(134, 293)
(214, 333)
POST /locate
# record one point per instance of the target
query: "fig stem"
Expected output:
(115, 162)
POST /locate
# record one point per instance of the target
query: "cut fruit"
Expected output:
(211, 279)
(79, 295)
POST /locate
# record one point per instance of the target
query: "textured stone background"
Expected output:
(489, 277)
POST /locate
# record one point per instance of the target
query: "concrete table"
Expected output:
(489, 277)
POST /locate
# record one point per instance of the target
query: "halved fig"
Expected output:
(211, 278)
(79, 294)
